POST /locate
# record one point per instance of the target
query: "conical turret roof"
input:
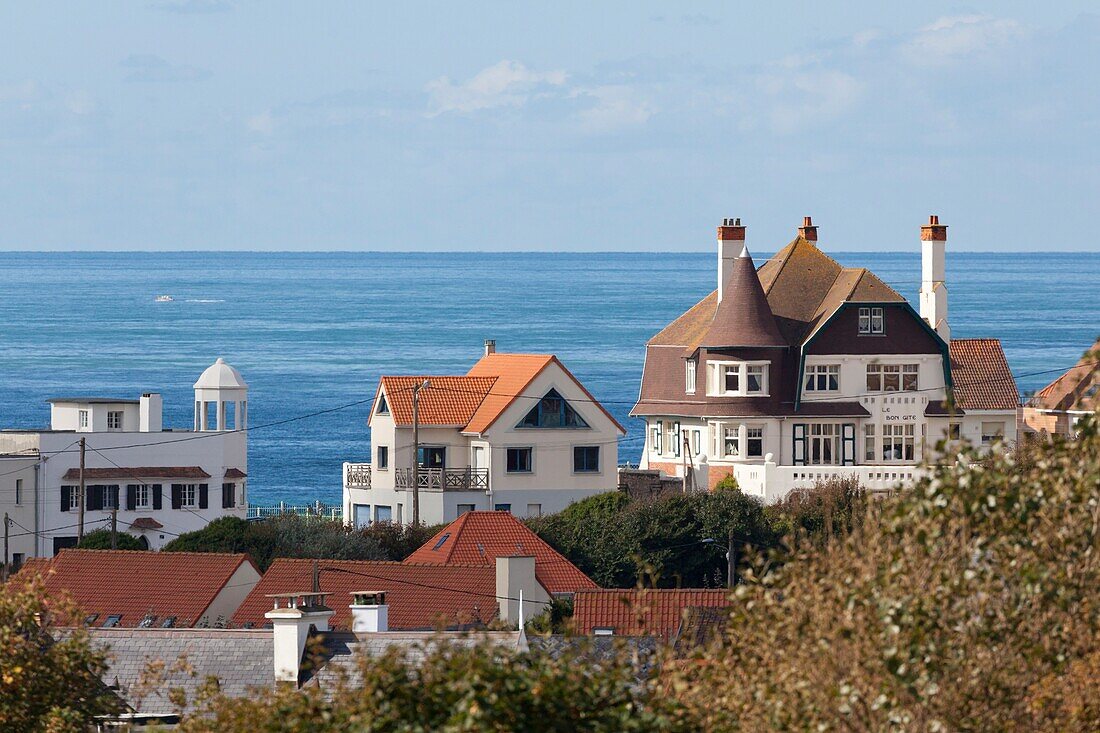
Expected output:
(742, 317)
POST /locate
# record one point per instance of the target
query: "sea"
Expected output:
(312, 332)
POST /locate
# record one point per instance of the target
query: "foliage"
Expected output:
(456, 688)
(619, 543)
(729, 483)
(100, 539)
(290, 535)
(970, 602)
(833, 507)
(556, 619)
(46, 684)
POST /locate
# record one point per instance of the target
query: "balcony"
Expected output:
(444, 479)
(357, 475)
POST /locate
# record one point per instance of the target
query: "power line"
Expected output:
(42, 532)
(433, 587)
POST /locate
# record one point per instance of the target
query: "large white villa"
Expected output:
(517, 433)
(804, 369)
(163, 482)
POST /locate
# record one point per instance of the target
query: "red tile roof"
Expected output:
(641, 612)
(135, 583)
(478, 538)
(445, 401)
(136, 472)
(420, 597)
(981, 377)
(1076, 388)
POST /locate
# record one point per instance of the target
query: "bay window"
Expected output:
(737, 379)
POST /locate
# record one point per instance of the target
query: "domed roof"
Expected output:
(220, 375)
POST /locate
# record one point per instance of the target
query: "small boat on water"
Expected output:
(164, 299)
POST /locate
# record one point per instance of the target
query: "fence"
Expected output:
(317, 509)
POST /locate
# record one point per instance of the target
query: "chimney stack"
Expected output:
(731, 243)
(369, 612)
(808, 230)
(933, 290)
(293, 618)
(490, 346)
(516, 578)
(150, 413)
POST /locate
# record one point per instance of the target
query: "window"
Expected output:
(603, 631)
(108, 497)
(441, 541)
(655, 439)
(992, 432)
(823, 378)
(552, 411)
(463, 508)
(73, 493)
(954, 431)
(229, 495)
(737, 379)
(114, 420)
(519, 460)
(869, 442)
(755, 439)
(83, 418)
(383, 458)
(383, 406)
(697, 441)
(690, 367)
(909, 380)
(660, 428)
(112, 621)
(17, 559)
(534, 510)
(825, 444)
(586, 459)
(18, 491)
(432, 456)
(871, 321)
(503, 507)
(141, 496)
(892, 377)
(729, 442)
(670, 439)
(897, 442)
(189, 496)
(383, 513)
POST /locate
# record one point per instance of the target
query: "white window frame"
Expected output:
(142, 497)
(83, 418)
(872, 321)
(817, 374)
(74, 498)
(749, 429)
(870, 444)
(730, 436)
(114, 420)
(881, 371)
(899, 434)
(716, 378)
(655, 439)
(995, 437)
(697, 441)
(816, 434)
(382, 457)
(691, 368)
(534, 510)
(192, 491)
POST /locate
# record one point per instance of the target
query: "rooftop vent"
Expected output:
(112, 621)
(148, 621)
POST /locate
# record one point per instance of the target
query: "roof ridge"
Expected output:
(786, 251)
(151, 553)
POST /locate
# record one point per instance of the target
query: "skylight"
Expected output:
(148, 621)
(112, 621)
(168, 622)
(439, 543)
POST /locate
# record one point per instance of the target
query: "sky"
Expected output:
(211, 124)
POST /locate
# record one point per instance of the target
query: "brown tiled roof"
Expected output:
(235, 473)
(135, 583)
(146, 523)
(136, 472)
(419, 596)
(479, 537)
(734, 407)
(981, 377)
(1071, 390)
(447, 400)
(641, 612)
(743, 317)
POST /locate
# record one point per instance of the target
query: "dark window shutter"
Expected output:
(203, 495)
(800, 444)
(114, 495)
(848, 450)
(93, 498)
(676, 429)
(177, 496)
(66, 497)
(228, 495)
(157, 504)
(660, 435)
(131, 497)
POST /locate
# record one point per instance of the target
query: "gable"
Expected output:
(904, 333)
(552, 411)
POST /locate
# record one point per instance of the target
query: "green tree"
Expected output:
(100, 539)
(47, 684)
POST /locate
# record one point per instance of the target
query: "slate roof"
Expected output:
(743, 317)
(650, 612)
(135, 583)
(1076, 388)
(420, 597)
(241, 660)
(135, 472)
(235, 473)
(981, 377)
(479, 537)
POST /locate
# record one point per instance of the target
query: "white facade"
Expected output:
(476, 473)
(198, 476)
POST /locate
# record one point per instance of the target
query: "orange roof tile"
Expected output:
(446, 400)
(478, 538)
(420, 597)
(1076, 388)
(981, 377)
(135, 583)
(655, 612)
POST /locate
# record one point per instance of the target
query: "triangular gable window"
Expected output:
(552, 411)
(383, 407)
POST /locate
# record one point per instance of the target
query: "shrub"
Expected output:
(830, 508)
(100, 539)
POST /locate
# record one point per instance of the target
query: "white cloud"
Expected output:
(952, 38)
(798, 98)
(147, 67)
(505, 84)
(615, 106)
(263, 123)
(80, 102)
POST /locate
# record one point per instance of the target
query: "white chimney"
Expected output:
(516, 578)
(293, 618)
(490, 347)
(731, 243)
(369, 612)
(933, 291)
(150, 413)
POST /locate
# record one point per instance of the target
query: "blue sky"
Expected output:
(209, 124)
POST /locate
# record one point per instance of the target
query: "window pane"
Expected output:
(732, 379)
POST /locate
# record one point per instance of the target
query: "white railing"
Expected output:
(317, 509)
(772, 482)
(357, 475)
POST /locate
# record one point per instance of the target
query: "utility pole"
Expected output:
(416, 452)
(731, 563)
(4, 567)
(114, 519)
(80, 499)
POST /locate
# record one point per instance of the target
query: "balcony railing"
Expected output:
(357, 475)
(444, 479)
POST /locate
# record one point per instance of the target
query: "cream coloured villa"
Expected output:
(804, 369)
(517, 433)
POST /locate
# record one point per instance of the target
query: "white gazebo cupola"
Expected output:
(221, 399)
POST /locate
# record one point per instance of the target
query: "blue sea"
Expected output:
(312, 331)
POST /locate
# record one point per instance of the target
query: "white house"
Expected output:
(163, 481)
(517, 433)
(804, 369)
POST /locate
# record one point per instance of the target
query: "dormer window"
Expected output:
(383, 407)
(690, 367)
(737, 379)
(552, 411)
(871, 321)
